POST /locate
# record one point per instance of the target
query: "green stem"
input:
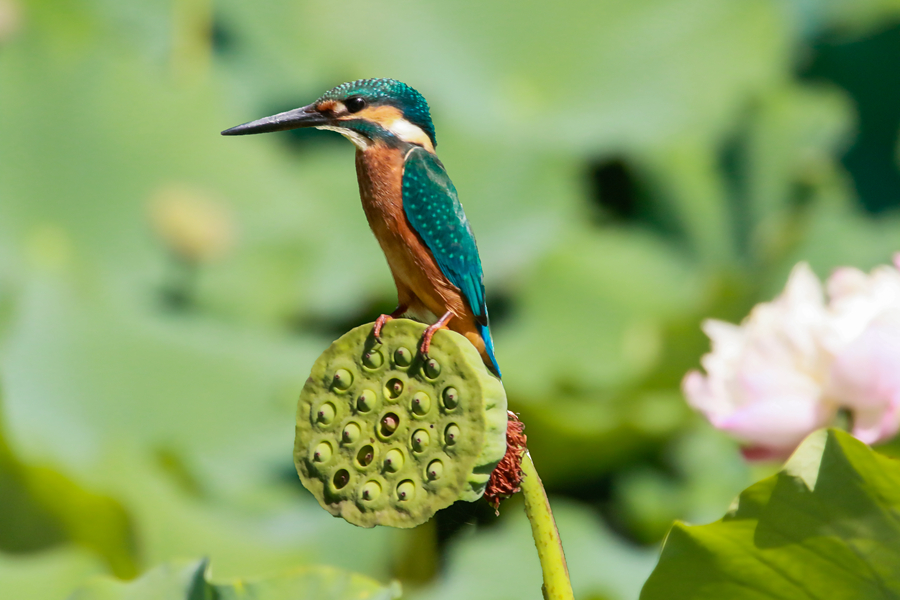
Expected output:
(546, 537)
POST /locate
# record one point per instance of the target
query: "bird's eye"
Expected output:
(355, 104)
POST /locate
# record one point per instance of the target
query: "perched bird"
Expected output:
(410, 202)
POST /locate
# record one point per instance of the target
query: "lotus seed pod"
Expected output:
(343, 379)
(351, 433)
(403, 357)
(341, 479)
(420, 440)
(406, 491)
(322, 453)
(388, 425)
(365, 456)
(393, 461)
(421, 404)
(393, 389)
(451, 434)
(373, 359)
(432, 368)
(370, 491)
(325, 415)
(386, 437)
(451, 398)
(435, 470)
(367, 401)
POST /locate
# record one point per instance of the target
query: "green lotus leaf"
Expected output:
(826, 526)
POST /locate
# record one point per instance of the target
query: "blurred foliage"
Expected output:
(189, 582)
(823, 527)
(629, 167)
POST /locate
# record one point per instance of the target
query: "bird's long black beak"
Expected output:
(305, 116)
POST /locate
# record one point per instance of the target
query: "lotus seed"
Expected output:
(406, 490)
(389, 423)
(366, 401)
(371, 490)
(342, 379)
(373, 359)
(351, 433)
(322, 453)
(325, 415)
(402, 357)
(365, 455)
(341, 478)
(432, 368)
(451, 434)
(421, 403)
(420, 440)
(393, 461)
(451, 398)
(394, 388)
(435, 469)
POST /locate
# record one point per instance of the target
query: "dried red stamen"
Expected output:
(507, 476)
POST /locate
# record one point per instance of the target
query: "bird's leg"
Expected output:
(429, 333)
(381, 320)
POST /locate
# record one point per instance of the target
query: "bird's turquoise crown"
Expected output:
(388, 91)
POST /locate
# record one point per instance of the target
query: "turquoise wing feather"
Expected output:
(436, 214)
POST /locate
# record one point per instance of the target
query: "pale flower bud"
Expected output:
(865, 339)
(788, 368)
(193, 225)
(765, 378)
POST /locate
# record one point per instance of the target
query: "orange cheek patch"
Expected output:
(391, 119)
(326, 105)
(382, 115)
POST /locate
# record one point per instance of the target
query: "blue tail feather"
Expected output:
(489, 348)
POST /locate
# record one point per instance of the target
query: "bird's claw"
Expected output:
(425, 346)
(429, 333)
(379, 325)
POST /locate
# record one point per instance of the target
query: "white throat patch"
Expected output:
(358, 139)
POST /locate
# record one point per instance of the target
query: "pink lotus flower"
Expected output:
(795, 361)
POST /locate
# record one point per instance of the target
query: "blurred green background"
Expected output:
(630, 167)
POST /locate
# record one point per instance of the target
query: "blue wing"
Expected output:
(436, 214)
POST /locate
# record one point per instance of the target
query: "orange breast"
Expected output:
(420, 283)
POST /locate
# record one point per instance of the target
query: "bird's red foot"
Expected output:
(379, 324)
(430, 331)
(381, 320)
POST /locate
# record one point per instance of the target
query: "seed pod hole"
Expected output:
(365, 456)
(406, 491)
(325, 414)
(432, 368)
(393, 388)
(341, 478)
(402, 357)
(451, 434)
(373, 359)
(420, 404)
(367, 401)
(351, 433)
(420, 440)
(343, 379)
(451, 398)
(435, 470)
(370, 491)
(322, 453)
(393, 461)
(389, 424)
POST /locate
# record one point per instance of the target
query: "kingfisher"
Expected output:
(411, 205)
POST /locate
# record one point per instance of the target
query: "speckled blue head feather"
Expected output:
(392, 92)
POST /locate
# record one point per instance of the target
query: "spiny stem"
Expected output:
(546, 537)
